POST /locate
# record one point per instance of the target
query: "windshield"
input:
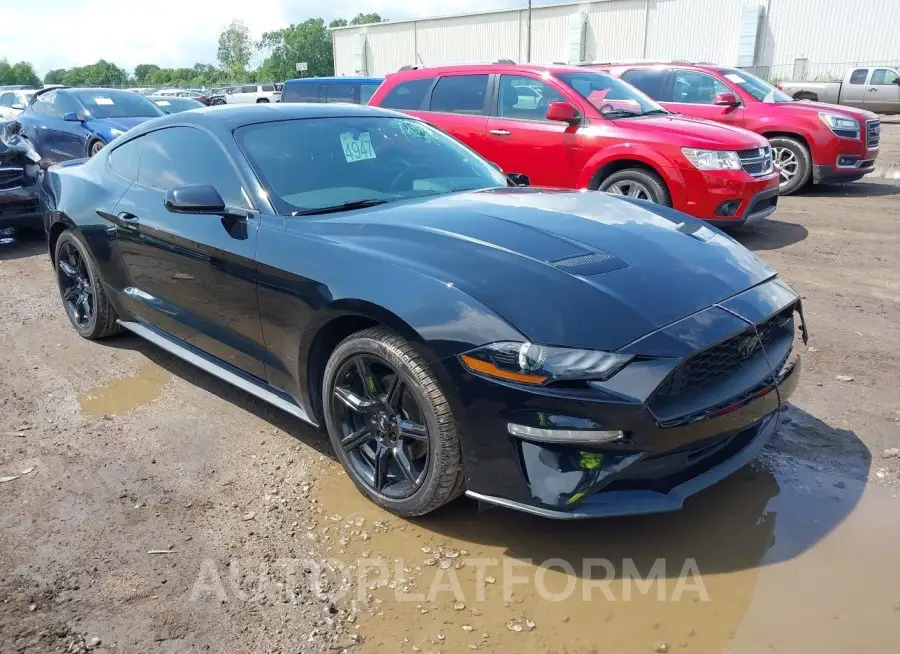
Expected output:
(610, 96)
(762, 91)
(109, 103)
(326, 162)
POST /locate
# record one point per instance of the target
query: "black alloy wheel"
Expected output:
(75, 286)
(382, 431)
(390, 424)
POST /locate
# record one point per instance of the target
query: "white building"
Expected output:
(779, 38)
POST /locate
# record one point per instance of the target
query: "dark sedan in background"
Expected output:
(565, 353)
(73, 123)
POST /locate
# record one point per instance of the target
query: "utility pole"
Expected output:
(528, 35)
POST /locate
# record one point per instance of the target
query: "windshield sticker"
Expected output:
(106, 101)
(357, 148)
(734, 77)
(163, 103)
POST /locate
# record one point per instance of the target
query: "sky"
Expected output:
(172, 33)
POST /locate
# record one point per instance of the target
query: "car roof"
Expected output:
(334, 80)
(224, 119)
(431, 71)
(628, 65)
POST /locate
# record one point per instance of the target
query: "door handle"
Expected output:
(500, 132)
(871, 89)
(130, 218)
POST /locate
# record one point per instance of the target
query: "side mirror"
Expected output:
(194, 198)
(71, 117)
(518, 179)
(563, 112)
(897, 81)
(726, 100)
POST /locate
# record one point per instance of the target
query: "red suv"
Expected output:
(815, 142)
(570, 127)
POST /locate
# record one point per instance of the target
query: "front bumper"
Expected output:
(840, 160)
(20, 207)
(704, 193)
(673, 445)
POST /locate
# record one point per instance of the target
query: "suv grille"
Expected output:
(11, 177)
(756, 162)
(21, 208)
(873, 133)
(720, 359)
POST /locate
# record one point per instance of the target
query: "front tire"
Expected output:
(82, 294)
(95, 147)
(637, 183)
(262, 100)
(793, 163)
(390, 424)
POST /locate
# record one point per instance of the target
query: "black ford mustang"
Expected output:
(565, 353)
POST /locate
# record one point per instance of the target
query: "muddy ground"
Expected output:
(156, 509)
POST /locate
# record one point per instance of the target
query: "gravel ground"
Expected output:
(156, 509)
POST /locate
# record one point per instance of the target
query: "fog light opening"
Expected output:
(729, 208)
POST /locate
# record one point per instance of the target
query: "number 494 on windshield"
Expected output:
(357, 149)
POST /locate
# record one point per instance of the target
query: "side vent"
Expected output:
(585, 265)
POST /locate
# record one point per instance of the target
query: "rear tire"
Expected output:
(637, 183)
(262, 100)
(793, 163)
(75, 266)
(438, 474)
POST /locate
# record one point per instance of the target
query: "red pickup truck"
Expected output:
(568, 127)
(811, 142)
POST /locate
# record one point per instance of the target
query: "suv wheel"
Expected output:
(637, 183)
(793, 163)
(390, 424)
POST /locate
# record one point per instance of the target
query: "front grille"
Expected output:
(15, 209)
(873, 133)
(719, 360)
(756, 162)
(763, 204)
(11, 177)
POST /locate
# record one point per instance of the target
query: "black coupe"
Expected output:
(565, 353)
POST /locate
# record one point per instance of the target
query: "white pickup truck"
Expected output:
(874, 88)
(254, 93)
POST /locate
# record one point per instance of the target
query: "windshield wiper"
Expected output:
(343, 206)
(627, 113)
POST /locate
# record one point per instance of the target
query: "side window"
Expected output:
(125, 159)
(859, 75)
(6, 100)
(64, 104)
(184, 155)
(651, 81)
(525, 98)
(884, 76)
(300, 92)
(337, 93)
(44, 105)
(366, 91)
(407, 95)
(460, 94)
(268, 88)
(248, 89)
(696, 88)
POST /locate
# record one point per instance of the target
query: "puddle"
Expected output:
(771, 563)
(123, 395)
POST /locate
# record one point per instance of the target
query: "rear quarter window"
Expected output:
(859, 76)
(407, 95)
(650, 81)
(125, 159)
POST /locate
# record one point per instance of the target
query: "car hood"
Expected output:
(806, 107)
(696, 132)
(103, 126)
(568, 268)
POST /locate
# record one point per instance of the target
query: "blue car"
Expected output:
(69, 123)
(353, 90)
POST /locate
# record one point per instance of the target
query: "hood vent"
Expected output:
(585, 265)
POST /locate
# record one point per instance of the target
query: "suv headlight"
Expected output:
(840, 125)
(713, 159)
(528, 363)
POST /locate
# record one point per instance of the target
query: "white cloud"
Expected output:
(63, 33)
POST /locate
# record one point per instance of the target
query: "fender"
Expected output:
(643, 153)
(801, 127)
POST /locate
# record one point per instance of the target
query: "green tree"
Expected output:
(235, 48)
(365, 19)
(19, 73)
(55, 76)
(142, 71)
(338, 22)
(309, 41)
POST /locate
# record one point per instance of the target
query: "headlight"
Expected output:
(528, 363)
(713, 159)
(840, 125)
(115, 133)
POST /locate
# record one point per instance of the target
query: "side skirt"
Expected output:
(219, 369)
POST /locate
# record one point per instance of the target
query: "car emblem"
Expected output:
(748, 346)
